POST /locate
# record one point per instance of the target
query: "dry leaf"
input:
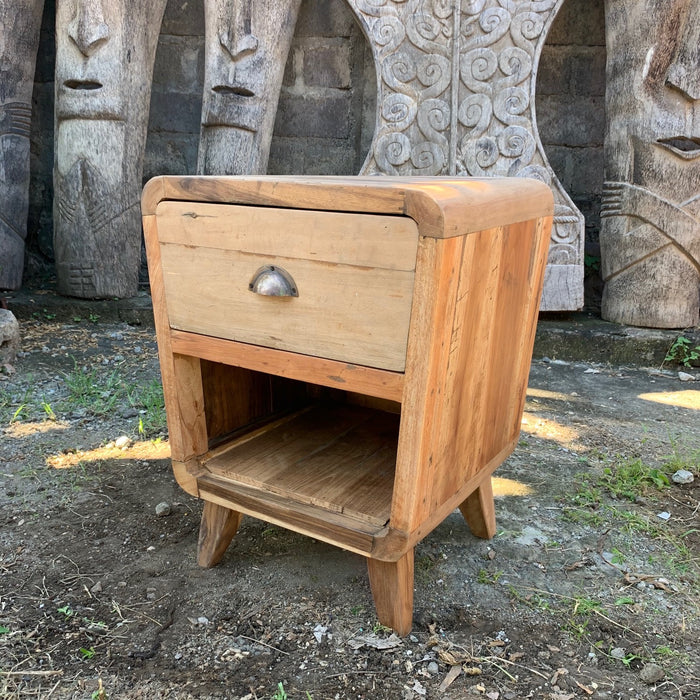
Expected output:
(584, 688)
(450, 678)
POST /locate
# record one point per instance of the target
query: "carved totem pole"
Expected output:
(246, 47)
(650, 234)
(456, 96)
(105, 50)
(19, 39)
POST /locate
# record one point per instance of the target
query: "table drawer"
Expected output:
(354, 275)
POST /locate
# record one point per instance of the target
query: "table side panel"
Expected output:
(476, 357)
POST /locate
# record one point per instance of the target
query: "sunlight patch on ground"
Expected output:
(509, 487)
(690, 398)
(139, 450)
(22, 430)
(544, 394)
(549, 429)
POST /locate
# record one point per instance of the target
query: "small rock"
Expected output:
(163, 509)
(618, 653)
(122, 441)
(97, 588)
(664, 515)
(319, 631)
(433, 668)
(129, 413)
(651, 673)
(683, 476)
(9, 337)
(685, 377)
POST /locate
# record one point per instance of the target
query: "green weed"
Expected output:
(632, 478)
(148, 400)
(682, 352)
(280, 693)
(488, 577)
(95, 393)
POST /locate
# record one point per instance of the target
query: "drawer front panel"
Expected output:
(354, 274)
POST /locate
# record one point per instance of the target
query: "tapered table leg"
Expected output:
(392, 590)
(478, 510)
(216, 531)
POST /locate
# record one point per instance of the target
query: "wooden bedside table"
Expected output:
(345, 357)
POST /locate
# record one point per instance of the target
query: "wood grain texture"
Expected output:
(354, 276)
(330, 373)
(182, 390)
(335, 528)
(441, 207)
(338, 458)
(466, 371)
(478, 510)
(216, 530)
(19, 40)
(392, 590)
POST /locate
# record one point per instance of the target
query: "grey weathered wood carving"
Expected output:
(246, 47)
(105, 51)
(456, 96)
(650, 227)
(19, 38)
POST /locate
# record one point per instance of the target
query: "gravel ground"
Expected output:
(589, 589)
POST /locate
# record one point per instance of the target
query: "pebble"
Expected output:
(664, 515)
(122, 441)
(683, 476)
(97, 588)
(652, 673)
(433, 668)
(618, 653)
(163, 509)
(685, 377)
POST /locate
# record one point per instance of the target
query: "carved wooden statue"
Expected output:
(105, 51)
(650, 237)
(19, 38)
(246, 47)
(457, 96)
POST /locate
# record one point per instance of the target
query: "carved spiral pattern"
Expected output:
(388, 33)
(399, 111)
(480, 56)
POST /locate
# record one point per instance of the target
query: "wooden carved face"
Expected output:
(654, 95)
(105, 51)
(246, 47)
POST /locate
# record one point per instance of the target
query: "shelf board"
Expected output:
(337, 458)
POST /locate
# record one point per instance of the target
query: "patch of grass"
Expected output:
(488, 577)
(280, 693)
(681, 457)
(96, 393)
(148, 400)
(632, 478)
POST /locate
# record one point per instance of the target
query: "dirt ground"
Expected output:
(589, 590)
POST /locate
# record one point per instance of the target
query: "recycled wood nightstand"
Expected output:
(345, 357)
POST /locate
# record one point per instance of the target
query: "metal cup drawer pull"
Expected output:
(273, 281)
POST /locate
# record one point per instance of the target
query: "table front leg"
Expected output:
(392, 590)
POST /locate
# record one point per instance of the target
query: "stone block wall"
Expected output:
(571, 106)
(326, 114)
